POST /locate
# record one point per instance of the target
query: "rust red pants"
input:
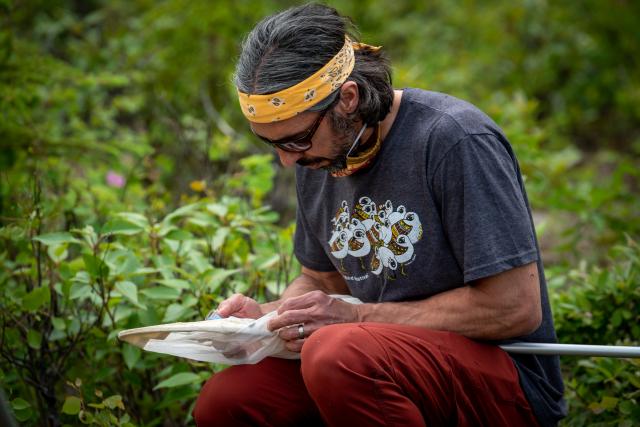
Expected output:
(371, 374)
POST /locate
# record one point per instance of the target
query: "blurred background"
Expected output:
(132, 192)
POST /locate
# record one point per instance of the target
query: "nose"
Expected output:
(288, 158)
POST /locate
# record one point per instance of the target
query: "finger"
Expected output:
(231, 305)
(295, 346)
(300, 302)
(289, 318)
(292, 332)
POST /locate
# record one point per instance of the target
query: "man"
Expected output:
(411, 201)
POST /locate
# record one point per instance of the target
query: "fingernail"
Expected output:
(213, 315)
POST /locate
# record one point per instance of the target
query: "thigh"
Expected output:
(481, 381)
(269, 393)
(378, 373)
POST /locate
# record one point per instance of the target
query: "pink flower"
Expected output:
(115, 179)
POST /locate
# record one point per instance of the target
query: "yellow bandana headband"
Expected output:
(304, 95)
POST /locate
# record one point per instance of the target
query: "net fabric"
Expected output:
(231, 341)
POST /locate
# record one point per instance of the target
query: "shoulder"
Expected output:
(460, 126)
(455, 117)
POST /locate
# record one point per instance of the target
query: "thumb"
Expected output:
(230, 305)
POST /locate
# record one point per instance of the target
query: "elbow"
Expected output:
(527, 320)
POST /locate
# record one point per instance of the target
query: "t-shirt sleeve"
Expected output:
(307, 247)
(483, 208)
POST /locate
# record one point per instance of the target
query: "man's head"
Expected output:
(289, 47)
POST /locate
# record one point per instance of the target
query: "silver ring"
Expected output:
(301, 331)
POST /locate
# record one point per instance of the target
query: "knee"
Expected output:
(217, 402)
(334, 351)
(204, 411)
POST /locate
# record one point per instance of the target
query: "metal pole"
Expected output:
(572, 349)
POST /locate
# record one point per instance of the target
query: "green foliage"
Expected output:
(131, 272)
(601, 306)
(132, 192)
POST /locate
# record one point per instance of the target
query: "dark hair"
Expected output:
(286, 48)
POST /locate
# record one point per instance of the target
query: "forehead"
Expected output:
(285, 128)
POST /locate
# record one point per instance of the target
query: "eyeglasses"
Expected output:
(296, 144)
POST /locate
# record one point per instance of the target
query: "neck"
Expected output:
(369, 136)
(385, 125)
(367, 140)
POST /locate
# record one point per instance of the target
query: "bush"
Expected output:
(601, 306)
(67, 295)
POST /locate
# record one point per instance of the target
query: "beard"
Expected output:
(346, 131)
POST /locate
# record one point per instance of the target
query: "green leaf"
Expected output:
(129, 290)
(79, 291)
(134, 218)
(36, 299)
(609, 402)
(219, 237)
(113, 402)
(87, 418)
(175, 283)
(161, 293)
(218, 277)
(123, 263)
(34, 339)
(218, 209)
(144, 270)
(199, 261)
(19, 404)
(177, 380)
(58, 253)
(131, 354)
(175, 312)
(269, 262)
(95, 267)
(180, 235)
(96, 405)
(56, 238)
(182, 211)
(121, 226)
(58, 323)
(72, 405)
(24, 414)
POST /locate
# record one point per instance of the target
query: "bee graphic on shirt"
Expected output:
(339, 246)
(383, 257)
(359, 246)
(409, 226)
(397, 215)
(365, 211)
(402, 249)
(378, 231)
(342, 216)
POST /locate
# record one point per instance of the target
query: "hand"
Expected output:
(314, 310)
(239, 305)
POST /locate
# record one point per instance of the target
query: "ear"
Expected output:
(349, 98)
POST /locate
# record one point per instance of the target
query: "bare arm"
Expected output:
(310, 280)
(502, 306)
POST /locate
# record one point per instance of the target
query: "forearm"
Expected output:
(455, 311)
(502, 307)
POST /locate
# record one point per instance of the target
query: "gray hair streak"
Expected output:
(286, 48)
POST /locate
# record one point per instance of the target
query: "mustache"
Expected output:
(310, 161)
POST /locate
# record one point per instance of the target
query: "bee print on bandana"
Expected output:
(309, 95)
(276, 102)
(380, 236)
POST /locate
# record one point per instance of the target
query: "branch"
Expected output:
(214, 116)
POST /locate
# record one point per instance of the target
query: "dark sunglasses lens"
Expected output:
(294, 147)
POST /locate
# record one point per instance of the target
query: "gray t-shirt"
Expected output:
(443, 204)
